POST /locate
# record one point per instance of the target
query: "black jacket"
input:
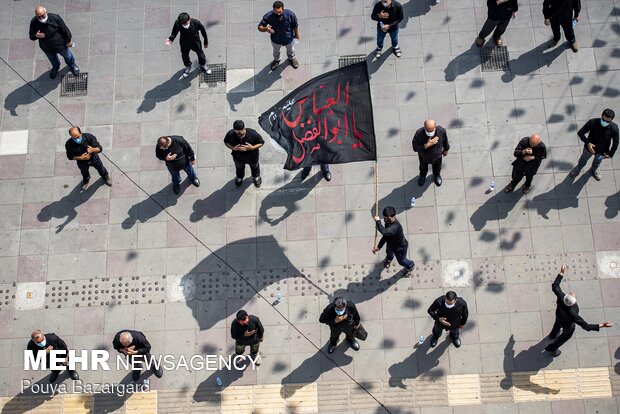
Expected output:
(328, 316)
(190, 38)
(139, 341)
(605, 139)
(75, 150)
(57, 34)
(395, 12)
(456, 316)
(50, 339)
(179, 146)
(539, 152)
(561, 10)
(392, 234)
(502, 11)
(430, 154)
(567, 315)
(251, 137)
(237, 331)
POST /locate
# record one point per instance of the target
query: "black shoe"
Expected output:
(438, 181)
(331, 348)
(294, 63)
(256, 358)
(158, 372)
(327, 176)
(176, 188)
(196, 182)
(53, 377)
(552, 337)
(434, 340)
(555, 353)
(75, 70)
(456, 342)
(355, 345)
(421, 180)
(53, 73)
(85, 184)
(304, 174)
(108, 181)
(238, 182)
(257, 182)
(74, 375)
(135, 375)
(409, 272)
(274, 64)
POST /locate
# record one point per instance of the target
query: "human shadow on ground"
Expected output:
(260, 82)
(25, 95)
(24, 401)
(613, 206)
(112, 402)
(463, 63)
(528, 361)
(400, 197)
(67, 206)
(153, 205)
(413, 9)
(532, 60)
(286, 197)
(420, 362)
(163, 92)
(562, 196)
(209, 388)
(495, 208)
(219, 202)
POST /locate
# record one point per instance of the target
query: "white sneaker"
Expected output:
(186, 71)
(206, 70)
(377, 53)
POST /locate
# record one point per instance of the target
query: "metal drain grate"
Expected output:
(494, 58)
(350, 60)
(217, 78)
(72, 85)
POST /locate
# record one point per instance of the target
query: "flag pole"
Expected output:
(376, 198)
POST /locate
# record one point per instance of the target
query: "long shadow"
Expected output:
(218, 202)
(253, 86)
(532, 359)
(286, 197)
(414, 8)
(148, 208)
(463, 63)
(566, 194)
(163, 92)
(24, 95)
(370, 286)
(67, 206)
(207, 390)
(112, 402)
(420, 362)
(495, 208)
(612, 205)
(531, 61)
(399, 196)
(23, 402)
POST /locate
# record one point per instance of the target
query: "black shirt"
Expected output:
(179, 146)
(456, 316)
(238, 330)
(567, 315)
(139, 342)
(251, 137)
(50, 339)
(561, 10)
(395, 12)
(430, 154)
(605, 139)
(392, 235)
(539, 152)
(73, 149)
(57, 34)
(190, 37)
(329, 314)
(502, 11)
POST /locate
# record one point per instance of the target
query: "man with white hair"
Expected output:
(566, 316)
(135, 345)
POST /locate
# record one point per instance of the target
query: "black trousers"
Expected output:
(202, 59)
(96, 164)
(240, 168)
(499, 26)
(424, 166)
(438, 329)
(567, 333)
(335, 331)
(59, 371)
(517, 174)
(567, 26)
(142, 362)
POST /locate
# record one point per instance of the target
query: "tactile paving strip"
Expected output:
(427, 275)
(7, 296)
(494, 58)
(464, 389)
(301, 398)
(431, 391)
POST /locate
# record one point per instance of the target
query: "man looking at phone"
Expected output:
(601, 141)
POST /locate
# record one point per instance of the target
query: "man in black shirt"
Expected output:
(392, 235)
(560, 13)
(190, 30)
(388, 14)
(566, 316)
(54, 38)
(84, 148)
(47, 343)
(137, 348)
(450, 314)
(431, 144)
(245, 143)
(601, 141)
(529, 154)
(341, 316)
(499, 14)
(247, 330)
(178, 155)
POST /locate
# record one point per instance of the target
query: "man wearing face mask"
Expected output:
(54, 38)
(431, 144)
(601, 141)
(282, 25)
(529, 153)
(388, 14)
(393, 235)
(450, 314)
(341, 316)
(46, 343)
(84, 148)
(247, 330)
(190, 30)
(244, 143)
(178, 155)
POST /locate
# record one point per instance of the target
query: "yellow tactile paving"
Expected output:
(563, 384)
(77, 403)
(142, 403)
(302, 398)
(431, 391)
(594, 382)
(237, 400)
(269, 399)
(496, 388)
(464, 389)
(529, 386)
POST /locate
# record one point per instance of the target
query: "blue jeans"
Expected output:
(401, 256)
(176, 175)
(67, 56)
(381, 36)
(324, 169)
(585, 156)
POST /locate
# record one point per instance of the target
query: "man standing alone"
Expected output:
(431, 144)
(560, 13)
(247, 330)
(341, 316)
(84, 148)
(450, 314)
(499, 14)
(178, 155)
(282, 25)
(190, 30)
(244, 143)
(388, 15)
(529, 154)
(601, 141)
(393, 235)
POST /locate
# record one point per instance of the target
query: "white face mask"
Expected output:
(185, 26)
(385, 3)
(42, 343)
(449, 306)
(430, 134)
(44, 20)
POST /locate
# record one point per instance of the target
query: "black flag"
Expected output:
(327, 120)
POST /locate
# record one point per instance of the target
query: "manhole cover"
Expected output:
(350, 60)
(72, 85)
(216, 79)
(494, 58)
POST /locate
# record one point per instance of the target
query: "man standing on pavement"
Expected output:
(190, 30)
(47, 343)
(388, 14)
(84, 148)
(450, 314)
(529, 154)
(305, 172)
(137, 348)
(560, 13)
(178, 155)
(393, 235)
(54, 38)
(500, 12)
(244, 143)
(341, 316)
(566, 316)
(601, 141)
(282, 25)
(247, 330)
(431, 144)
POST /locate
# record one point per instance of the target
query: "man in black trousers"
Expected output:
(566, 316)
(40, 342)
(190, 30)
(529, 153)
(341, 316)
(560, 13)
(500, 12)
(135, 345)
(450, 314)
(247, 330)
(431, 144)
(245, 143)
(393, 235)
(178, 155)
(84, 148)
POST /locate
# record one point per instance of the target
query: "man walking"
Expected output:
(393, 235)
(500, 12)
(561, 13)
(244, 143)
(566, 316)
(282, 25)
(84, 148)
(190, 30)
(341, 316)
(431, 144)
(46, 343)
(305, 172)
(388, 15)
(137, 348)
(54, 38)
(601, 141)
(450, 314)
(529, 154)
(178, 155)
(247, 330)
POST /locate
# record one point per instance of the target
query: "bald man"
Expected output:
(40, 342)
(529, 153)
(431, 144)
(84, 148)
(54, 39)
(135, 345)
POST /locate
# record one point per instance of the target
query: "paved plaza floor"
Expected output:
(178, 267)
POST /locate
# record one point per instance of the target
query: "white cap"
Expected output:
(569, 300)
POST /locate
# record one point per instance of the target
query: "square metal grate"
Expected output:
(494, 58)
(216, 79)
(72, 85)
(350, 60)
